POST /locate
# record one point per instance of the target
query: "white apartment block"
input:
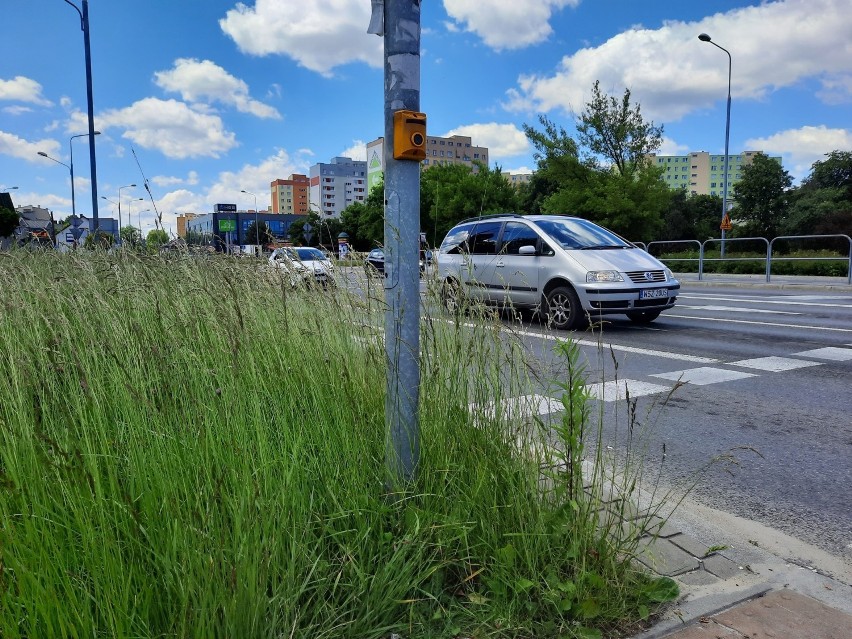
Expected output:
(336, 185)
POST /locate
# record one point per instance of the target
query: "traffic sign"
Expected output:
(726, 223)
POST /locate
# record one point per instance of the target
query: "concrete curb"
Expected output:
(689, 612)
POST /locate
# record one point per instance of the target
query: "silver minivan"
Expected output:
(567, 268)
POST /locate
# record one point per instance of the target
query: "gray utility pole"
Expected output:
(84, 25)
(401, 31)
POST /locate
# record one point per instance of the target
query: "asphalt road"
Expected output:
(766, 377)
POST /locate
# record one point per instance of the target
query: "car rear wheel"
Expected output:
(643, 317)
(562, 308)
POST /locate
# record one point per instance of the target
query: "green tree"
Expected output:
(8, 222)
(615, 130)
(822, 205)
(155, 239)
(614, 185)
(131, 237)
(364, 222)
(98, 239)
(762, 197)
(453, 192)
(262, 236)
(695, 217)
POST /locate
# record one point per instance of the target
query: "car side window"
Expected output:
(516, 235)
(483, 240)
(457, 240)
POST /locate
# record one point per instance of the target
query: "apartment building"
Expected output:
(457, 149)
(702, 173)
(291, 196)
(182, 220)
(338, 184)
(516, 179)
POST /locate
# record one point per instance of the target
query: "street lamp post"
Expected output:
(129, 212)
(256, 224)
(84, 25)
(127, 186)
(45, 155)
(6, 189)
(706, 38)
(71, 149)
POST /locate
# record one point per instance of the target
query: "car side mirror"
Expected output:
(527, 250)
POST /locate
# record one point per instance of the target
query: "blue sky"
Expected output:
(216, 97)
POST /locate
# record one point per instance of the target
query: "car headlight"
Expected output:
(604, 276)
(669, 274)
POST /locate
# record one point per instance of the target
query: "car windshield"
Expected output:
(574, 233)
(307, 254)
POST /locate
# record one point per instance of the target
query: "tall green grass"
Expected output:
(189, 448)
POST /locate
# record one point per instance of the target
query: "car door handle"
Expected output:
(501, 263)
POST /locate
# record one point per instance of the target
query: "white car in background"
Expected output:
(304, 265)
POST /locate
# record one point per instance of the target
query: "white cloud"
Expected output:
(671, 73)
(171, 127)
(670, 147)
(166, 180)
(836, 90)
(203, 80)
(21, 89)
(358, 151)
(319, 35)
(17, 110)
(502, 140)
(61, 206)
(254, 178)
(506, 24)
(11, 144)
(802, 147)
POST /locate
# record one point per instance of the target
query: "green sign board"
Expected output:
(227, 225)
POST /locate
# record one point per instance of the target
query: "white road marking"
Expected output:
(704, 375)
(618, 389)
(757, 300)
(736, 309)
(830, 353)
(774, 364)
(625, 349)
(520, 407)
(734, 321)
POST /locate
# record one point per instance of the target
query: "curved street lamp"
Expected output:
(45, 155)
(706, 38)
(6, 189)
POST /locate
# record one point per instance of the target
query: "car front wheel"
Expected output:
(562, 308)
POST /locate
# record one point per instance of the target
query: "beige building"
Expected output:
(702, 173)
(516, 179)
(182, 221)
(457, 149)
(290, 196)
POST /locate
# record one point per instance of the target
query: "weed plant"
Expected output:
(190, 448)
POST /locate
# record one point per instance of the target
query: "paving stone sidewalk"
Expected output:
(781, 614)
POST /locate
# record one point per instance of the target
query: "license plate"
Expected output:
(653, 293)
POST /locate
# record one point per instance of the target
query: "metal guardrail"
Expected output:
(769, 252)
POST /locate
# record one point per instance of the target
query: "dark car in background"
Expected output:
(375, 261)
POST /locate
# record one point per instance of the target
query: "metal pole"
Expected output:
(127, 186)
(727, 137)
(91, 108)
(402, 238)
(71, 149)
(256, 223)
(706, 38)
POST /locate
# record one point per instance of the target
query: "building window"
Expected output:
(476, 156)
